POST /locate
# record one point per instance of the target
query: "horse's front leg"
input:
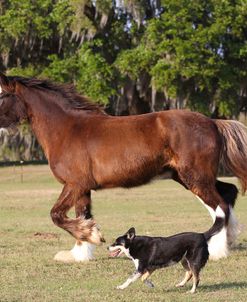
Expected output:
(83, 227)
(83, 206)
(83, 250)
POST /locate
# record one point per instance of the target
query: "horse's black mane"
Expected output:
(73, 99)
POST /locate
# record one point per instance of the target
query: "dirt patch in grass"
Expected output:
(40, 235)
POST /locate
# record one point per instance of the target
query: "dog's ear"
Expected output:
(131, 233)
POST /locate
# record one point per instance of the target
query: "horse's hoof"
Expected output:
(81, 252)
(65, 256)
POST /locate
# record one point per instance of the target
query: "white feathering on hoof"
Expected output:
(217, 245)
(83, 251)
(96, 236)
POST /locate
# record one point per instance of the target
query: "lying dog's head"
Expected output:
(122, 243)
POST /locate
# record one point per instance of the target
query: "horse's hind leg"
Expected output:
(229, 193)
(84, 230)
(202, 184)
(219, 210)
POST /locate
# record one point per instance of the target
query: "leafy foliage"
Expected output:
(191, 51)
(133, 56)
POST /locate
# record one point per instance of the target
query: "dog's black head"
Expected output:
(122, 244)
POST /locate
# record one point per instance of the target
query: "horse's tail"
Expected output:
(234, 151)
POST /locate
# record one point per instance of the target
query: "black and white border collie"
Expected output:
(151, 253)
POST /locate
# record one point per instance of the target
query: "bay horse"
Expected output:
(90, 150)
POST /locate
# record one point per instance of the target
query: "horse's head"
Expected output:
(12, 109)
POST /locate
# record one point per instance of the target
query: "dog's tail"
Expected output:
(215, 228)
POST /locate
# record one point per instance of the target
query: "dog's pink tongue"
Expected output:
(114, 253)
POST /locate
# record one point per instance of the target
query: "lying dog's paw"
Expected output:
(120, 287)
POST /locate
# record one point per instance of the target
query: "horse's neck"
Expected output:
(47, 133)
(48, 122)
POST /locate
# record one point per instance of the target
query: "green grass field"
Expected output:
(29, 241)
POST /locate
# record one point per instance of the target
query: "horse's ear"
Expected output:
(131, 233)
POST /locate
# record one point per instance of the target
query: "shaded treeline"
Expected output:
(132, 56)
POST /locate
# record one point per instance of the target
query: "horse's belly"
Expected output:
(128, 174)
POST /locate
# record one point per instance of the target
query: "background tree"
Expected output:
(133, 56)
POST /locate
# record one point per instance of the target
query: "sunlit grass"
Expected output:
(29, 241)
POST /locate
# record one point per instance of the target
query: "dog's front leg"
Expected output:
(130, 280)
